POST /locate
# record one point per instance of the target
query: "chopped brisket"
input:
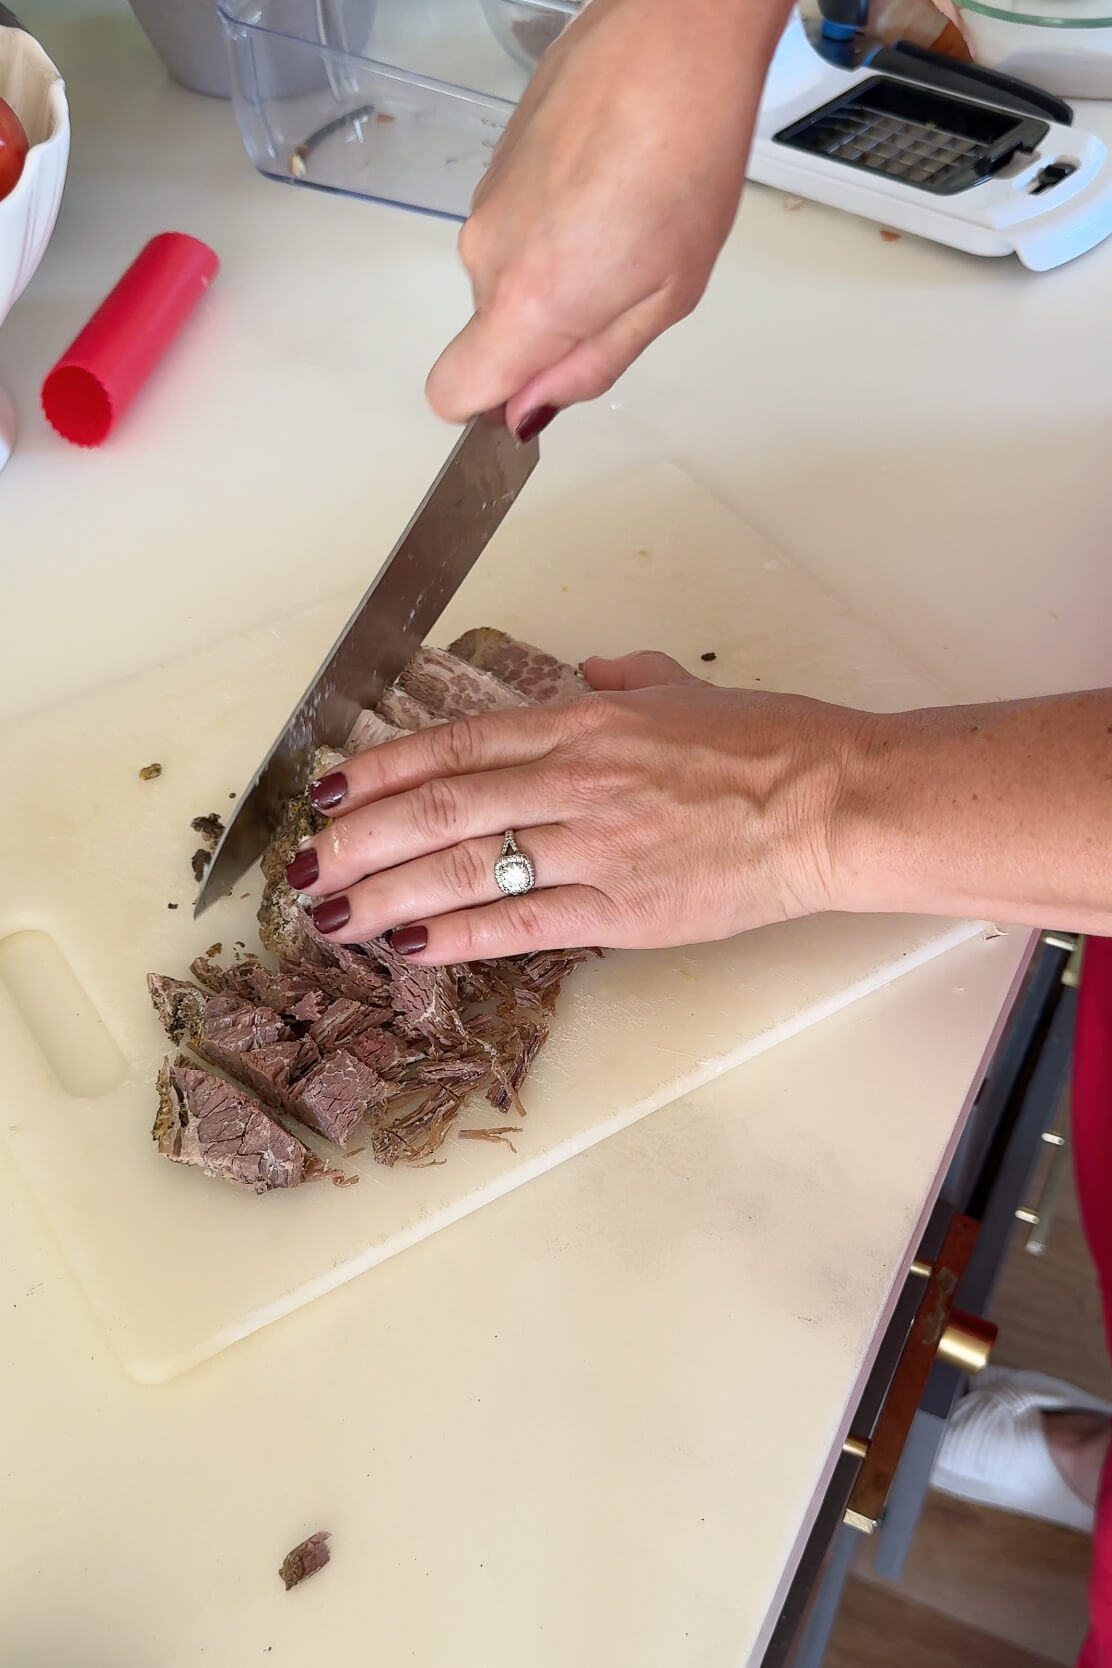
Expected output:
(226, 1133)
(339, 1034)
(539, 677)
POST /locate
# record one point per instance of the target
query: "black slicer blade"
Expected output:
(915, 135)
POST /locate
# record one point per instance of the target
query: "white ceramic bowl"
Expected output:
(1062, 45)
(32, 86)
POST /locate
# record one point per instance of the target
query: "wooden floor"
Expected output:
(985, 1589)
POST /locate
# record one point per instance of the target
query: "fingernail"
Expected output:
(328, 791)
(332, 914)
(408, 941)
(534, 422)
(303, 870)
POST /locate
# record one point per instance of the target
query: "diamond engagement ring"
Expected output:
(513, 871)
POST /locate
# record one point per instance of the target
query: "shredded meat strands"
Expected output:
(346, 1038)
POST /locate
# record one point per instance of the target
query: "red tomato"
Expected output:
(13, 148)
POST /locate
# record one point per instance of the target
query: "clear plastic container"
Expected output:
(402, 101)
(527, 28)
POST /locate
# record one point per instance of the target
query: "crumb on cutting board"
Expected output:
(309, 1556)
(149, 772)
(215, 949)
(887, 235)
(710, 655)
(200, 862)
(209, 828)
(171, 906)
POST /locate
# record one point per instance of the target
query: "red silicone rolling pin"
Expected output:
(95, 380)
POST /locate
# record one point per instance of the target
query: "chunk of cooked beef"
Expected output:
(226, 1133)
(450, 688)
(336, 1094)
(306, 1559)
(425, 999)
(538, 676)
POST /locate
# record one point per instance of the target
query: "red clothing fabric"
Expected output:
(1092, 1145)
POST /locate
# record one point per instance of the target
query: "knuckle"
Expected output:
(471, 241)
(524, 920)
(459, 745)
(434, 810)
(466, 871)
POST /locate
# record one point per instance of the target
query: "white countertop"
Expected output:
(588, 1425)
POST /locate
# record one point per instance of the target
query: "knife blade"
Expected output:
(485, 471)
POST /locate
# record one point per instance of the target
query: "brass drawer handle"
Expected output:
(937, 1330)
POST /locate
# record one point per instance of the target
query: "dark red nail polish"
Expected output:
(328, 791)
(332, 914)
(408, 941)
(534, 422)
(303, 870)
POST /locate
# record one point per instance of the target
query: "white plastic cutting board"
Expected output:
(177, 1266)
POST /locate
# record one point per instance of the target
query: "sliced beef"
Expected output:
(369, 730)
(450, 688)
(405, 712)
(539, 677)
(425, 999)
(226, 1133)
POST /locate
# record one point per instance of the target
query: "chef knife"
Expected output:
(485, 471)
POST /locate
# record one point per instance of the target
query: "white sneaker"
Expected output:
(994, 1448)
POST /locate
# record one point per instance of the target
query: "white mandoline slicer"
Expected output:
(934, 146)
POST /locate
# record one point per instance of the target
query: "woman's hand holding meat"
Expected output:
(659, 810)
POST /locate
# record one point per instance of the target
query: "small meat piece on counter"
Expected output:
(537, 676)
(226, 1133)
(306, 1559)
(450, 688)
(210, 828)
(199, 862)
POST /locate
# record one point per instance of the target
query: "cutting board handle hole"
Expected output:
(59, 1013)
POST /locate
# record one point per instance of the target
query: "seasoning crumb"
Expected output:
(171, 906)
(888, 235)
(209, 828)
(214, 949)
(710, 655)
(245, 894)
(232, 796)
(792, 203)
(200, 862)
(149, 772)
(306, 1559)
